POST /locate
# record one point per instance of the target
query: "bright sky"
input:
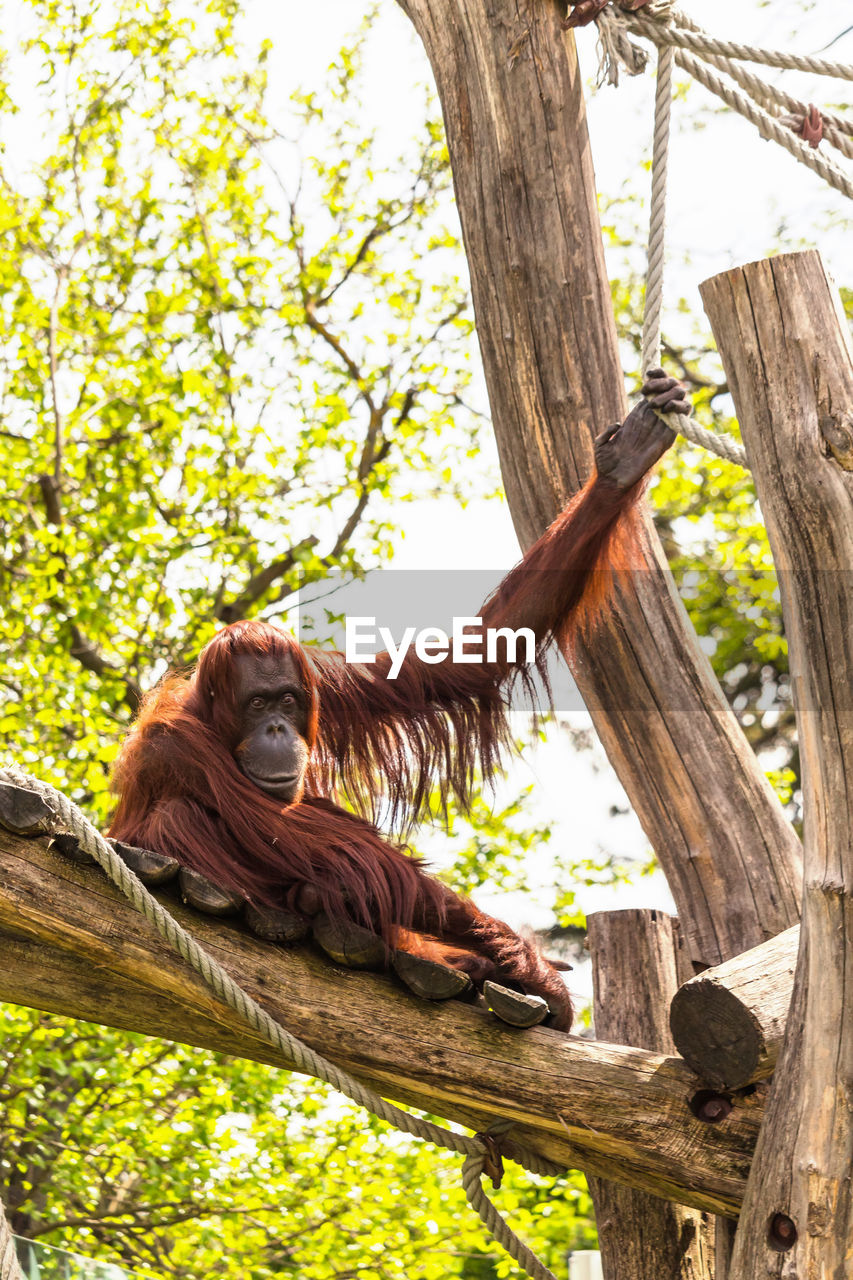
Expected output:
(733, 197)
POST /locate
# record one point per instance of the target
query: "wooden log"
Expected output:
(728, 1022)
(23, 811)
(635, 972)
(71, 944)
(512, 98)
(786, 349)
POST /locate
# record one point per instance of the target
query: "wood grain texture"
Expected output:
(728, 1022)
(513, 107)
(635, 974)
(786, 348)
(71, 944)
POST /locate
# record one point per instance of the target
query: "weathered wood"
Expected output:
(70, 944)
(787, 353)
(724, 1243)
(23, 811)
(728, 1022)
(635, 972)
(513, 107)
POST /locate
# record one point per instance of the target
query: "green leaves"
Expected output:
(182, 1163)
(205, 342)
(220, 363)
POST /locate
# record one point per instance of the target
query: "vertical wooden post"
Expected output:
(636, 956)
(513, 105)
(786, 349)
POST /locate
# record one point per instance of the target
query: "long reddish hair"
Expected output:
(182, 793)
(375, 742)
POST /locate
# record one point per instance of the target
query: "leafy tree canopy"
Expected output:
(231, 347)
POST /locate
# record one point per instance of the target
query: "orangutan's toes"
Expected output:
(349, 944)
(199, 892)
(23, 811)
(69, 846)
(277, 925)
(428, 979)
(514, 1008)
(152, 868)
(308, 900)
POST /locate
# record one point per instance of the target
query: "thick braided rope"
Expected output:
(771, 95)
(836, 129)
(471, 1181)
(657, 216)
(762, 89)
(10, 1268)
(68, 818)
(684, 33)
(768, 126)
(723, 446)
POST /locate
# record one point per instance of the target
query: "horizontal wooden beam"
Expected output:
(71, 944)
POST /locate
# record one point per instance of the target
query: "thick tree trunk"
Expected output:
(513, 107)
(639, 1235)
(787, 353)
(71, 944)
(728, 1023)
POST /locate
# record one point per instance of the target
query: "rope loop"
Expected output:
(777, 115)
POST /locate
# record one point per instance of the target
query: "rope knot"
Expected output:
(493, 1163)
(616, 50)
(807, 125)
(811, 130)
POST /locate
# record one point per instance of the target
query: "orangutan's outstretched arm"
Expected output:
(435, 725)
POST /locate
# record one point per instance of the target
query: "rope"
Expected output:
(768, 126)
(722, 445)
(657, 219)
(674, 33)
(68, 818)
(10, 1268)
(770, 95)
(836, 130)
(680, 30)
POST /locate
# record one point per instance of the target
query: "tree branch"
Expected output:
(73, 945)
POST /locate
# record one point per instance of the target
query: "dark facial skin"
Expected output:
(273, 709)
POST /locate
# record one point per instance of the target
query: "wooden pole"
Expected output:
(728, 1023)
(635, 973)
(71, 944)
(513, 107)
(786, 349)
